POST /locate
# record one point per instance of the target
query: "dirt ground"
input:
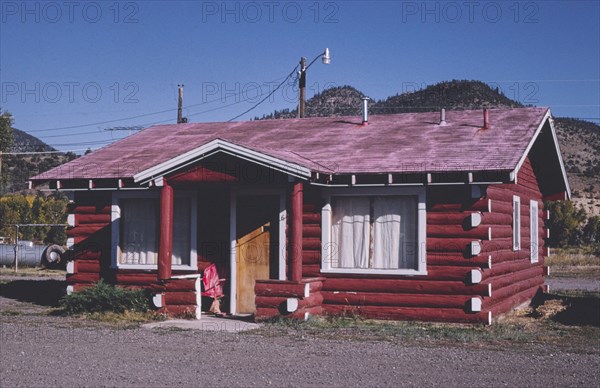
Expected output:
(40, 349)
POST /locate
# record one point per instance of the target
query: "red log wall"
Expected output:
(445, 293)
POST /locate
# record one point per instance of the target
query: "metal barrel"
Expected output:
(30, 255)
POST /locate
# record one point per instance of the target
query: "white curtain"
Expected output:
(350, 232)
(394, 232)
(139, 226)
(181, 231)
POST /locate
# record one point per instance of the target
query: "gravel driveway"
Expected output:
(42, 350)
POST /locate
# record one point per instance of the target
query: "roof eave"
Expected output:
(219, 145)
(547, 117)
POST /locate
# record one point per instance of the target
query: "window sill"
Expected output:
(361, 271)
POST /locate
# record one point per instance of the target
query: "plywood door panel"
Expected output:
(252, 263)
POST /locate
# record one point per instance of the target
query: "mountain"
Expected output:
(454, 95)
(579, 140)
(17, 169)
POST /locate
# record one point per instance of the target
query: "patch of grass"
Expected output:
(32, 271)
(104, 298)
(574, 262)
(566, 320)
(10, 313)
(125, 319)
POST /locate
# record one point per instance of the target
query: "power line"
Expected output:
(138, 116)
(269, 95)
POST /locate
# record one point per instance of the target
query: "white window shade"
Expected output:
(350, 232)
(139, 231)
(394, 232)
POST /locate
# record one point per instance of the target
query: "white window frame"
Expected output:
(116, 228)
(326, 223)
(516, 223)
(534, 231)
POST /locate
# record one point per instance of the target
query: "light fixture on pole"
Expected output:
(326, 60)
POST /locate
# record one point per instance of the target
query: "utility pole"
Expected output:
(302, 84)
(180, 105)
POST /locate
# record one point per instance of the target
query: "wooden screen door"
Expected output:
(257, 230)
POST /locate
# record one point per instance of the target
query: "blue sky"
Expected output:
(70, 70)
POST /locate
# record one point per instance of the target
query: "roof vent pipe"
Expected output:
(443, 117)
(365, 111)
(486, 119)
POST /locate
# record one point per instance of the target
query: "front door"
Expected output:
(256, 246)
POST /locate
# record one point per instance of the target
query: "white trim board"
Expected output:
(213, 146)
(547, 118)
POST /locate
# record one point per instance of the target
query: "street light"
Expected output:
(326, 60)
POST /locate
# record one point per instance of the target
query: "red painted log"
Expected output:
(398, 300)
(137, 278)
(311, 257)
(264, 313)
(88, 266)
(79, 209)
(409, 313)
(504, 255)
(404, 286)
(311, 230)
(494, 218)
(514, 289)
(560, 196)
(508, 267)
(279, 302)
(85, 230)
(180, 298)
(85, 254)
(308, 207)
(296, 240)
(165, 245)
(457, 232)
(501, 231)
(502, 207)
(446, 218)
(448, 244)
(311, 218)
(510, 303)
(502, 281)
(435, 259)
(179, 285)
(505, 194)
(311, 243)
(85, 219)
(83, 278)
(282, 289)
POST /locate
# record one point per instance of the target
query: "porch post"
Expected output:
(296, 200)
(165, 246)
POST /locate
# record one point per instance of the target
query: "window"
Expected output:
(136, 229)
(374, 231)
(516, 223)
(534, 231)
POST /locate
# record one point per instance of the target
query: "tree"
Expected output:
(6, 132)
(565, 223)
(591, 230)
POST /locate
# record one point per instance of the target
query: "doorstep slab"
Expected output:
(206, 323)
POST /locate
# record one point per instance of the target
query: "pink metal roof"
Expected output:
(400, 143)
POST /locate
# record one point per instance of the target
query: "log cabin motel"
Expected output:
(419, 216)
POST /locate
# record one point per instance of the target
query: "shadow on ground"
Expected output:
(575, 311)
(40, 292)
